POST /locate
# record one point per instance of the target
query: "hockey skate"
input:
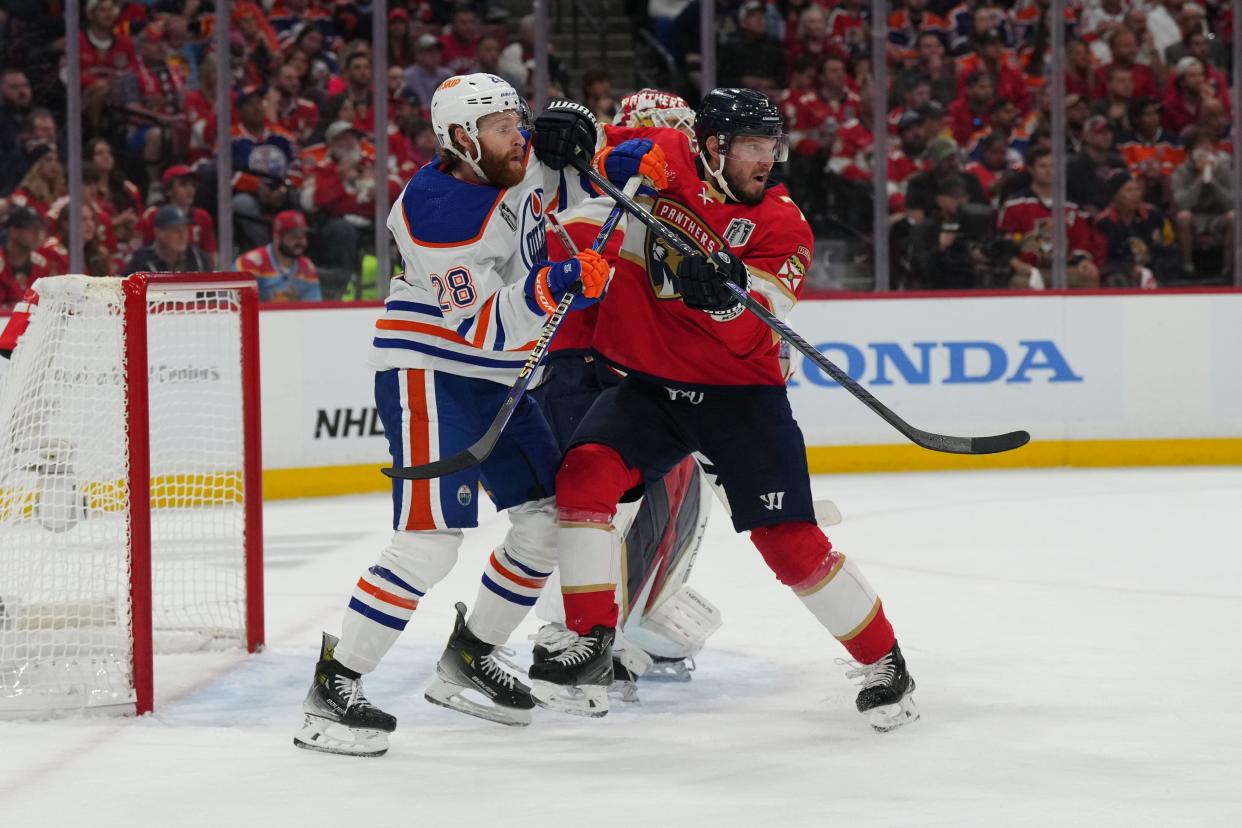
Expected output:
(339, 719)
(887, 694)
(471, 664)
(575, 679)
(628, 665)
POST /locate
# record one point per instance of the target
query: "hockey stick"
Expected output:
(926, 439)
(478, 452)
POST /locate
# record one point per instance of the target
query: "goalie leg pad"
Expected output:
(678, 627)
(387, 594)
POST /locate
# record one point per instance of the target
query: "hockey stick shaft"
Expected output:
(481, 448)
(926, 439)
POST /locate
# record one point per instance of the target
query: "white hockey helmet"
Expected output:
(653, 108)
(464, 100)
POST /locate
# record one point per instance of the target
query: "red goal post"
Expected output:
(130, 486)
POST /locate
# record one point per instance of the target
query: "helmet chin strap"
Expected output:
(473, 163)
(717, 174)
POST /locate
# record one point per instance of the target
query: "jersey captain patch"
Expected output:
(662, 259)
(738, 232)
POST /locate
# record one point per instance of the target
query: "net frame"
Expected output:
(142, 297)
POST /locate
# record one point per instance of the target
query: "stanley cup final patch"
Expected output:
(738, 232)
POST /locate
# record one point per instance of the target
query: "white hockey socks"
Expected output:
(388, 593)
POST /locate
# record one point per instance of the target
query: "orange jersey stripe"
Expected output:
(480, 335)
(420, 449)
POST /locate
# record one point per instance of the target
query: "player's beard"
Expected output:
(501, 171)
(292, 251)
(747, 191)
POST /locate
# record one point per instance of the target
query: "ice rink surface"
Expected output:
(1074, 635)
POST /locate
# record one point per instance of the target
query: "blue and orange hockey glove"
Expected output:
(637, 156)
(547, 282)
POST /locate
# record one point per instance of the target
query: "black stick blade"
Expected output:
(460, 461)
(1000, 442)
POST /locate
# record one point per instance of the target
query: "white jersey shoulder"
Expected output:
(461, 305)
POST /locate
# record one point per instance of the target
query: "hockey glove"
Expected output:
(703, 283)
(637, 156)
(548, 282)
(564, 130)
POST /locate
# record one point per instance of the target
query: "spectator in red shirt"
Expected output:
(1124, 46)
(843, 103)
(991, 59)
(1078, 76)
(180, 188)
(294, 114)
(55, 248)
(461, 40)
(106, 56)
(1026, 219)
(971, 112)
(20, 263)
(154, 96)
(43, 182)
(812, 37)
(804, 110)
(847, 26)
(340, 191)
(400, 43)
(1187, 95)
(907, 159)
(281, 269)
(357, 76)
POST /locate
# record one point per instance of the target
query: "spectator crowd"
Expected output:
(969, 173)
(302, 132)
(968, 169)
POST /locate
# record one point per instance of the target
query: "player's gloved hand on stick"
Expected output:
(637, 156)
(703, 283)
(548, 282)
(564, 130)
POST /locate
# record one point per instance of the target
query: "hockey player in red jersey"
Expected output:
(702, 376)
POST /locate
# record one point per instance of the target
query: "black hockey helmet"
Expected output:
(728, 112)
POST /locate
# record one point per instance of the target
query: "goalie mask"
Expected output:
(653, 108)
(464, 100)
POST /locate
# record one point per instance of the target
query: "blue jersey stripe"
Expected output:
(377, 616)
(531, 572)
(465, 326)
(429, 350)
(524, 600)
(499, 344)
(387, 575)
(414, 307)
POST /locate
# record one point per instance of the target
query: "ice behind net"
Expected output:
(65, 630)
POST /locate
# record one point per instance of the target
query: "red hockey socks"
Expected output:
(589, 485)
(830, 585)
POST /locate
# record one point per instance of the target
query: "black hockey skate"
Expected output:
(471, 664)
(339, 718)
(575, 680)
(887, 695)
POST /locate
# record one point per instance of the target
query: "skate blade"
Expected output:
(678, 671)
(447, 694)
(625, 691)
(892, 716)
(327, 736)
(589, 700)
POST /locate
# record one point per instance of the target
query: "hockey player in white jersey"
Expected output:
(457, 327)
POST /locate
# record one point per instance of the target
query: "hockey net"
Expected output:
(130, 493)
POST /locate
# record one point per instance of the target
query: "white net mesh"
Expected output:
(65, 633)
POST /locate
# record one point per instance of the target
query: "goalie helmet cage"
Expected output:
(130, 487)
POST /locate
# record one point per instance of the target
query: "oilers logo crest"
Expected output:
(662, 259)
(532, 233)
